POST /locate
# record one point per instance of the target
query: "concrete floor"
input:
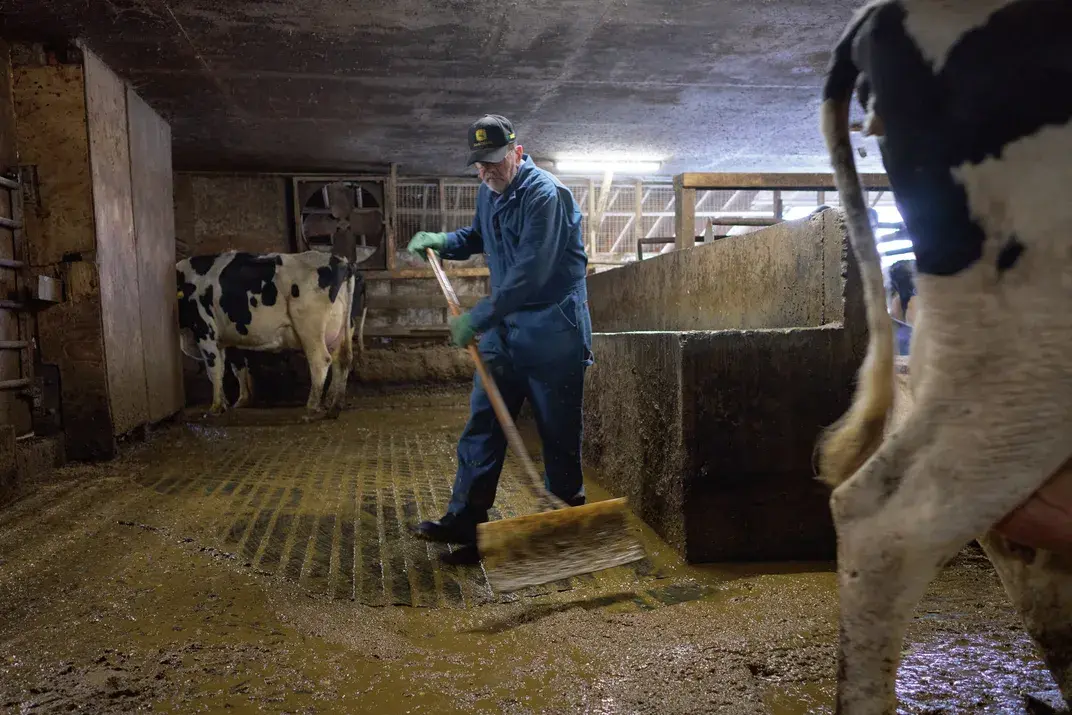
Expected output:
(254, 564)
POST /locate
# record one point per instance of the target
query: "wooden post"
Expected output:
(391, 216)
(601, 208)
(442, 205)
(638, 220)
(684, 215)
(591, 217)
(778, 204)
(298, 239)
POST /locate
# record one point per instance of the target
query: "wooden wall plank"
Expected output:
(50, 106)
(50, 110)
(154, 235)
(117, 258)
(798, 181)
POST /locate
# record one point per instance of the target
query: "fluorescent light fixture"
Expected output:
(602, 164)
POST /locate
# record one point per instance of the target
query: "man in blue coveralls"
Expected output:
(535, 330)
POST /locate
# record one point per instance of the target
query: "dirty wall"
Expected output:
(100, 223)
(405, 326)
(780, 276)
(716, 368)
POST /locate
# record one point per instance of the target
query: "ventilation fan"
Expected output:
(345, 218)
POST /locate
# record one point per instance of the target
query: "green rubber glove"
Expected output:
(461, 330)
(426, 239)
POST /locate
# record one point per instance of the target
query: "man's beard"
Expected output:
(498, 185)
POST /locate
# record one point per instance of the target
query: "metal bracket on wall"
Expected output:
(48, 290)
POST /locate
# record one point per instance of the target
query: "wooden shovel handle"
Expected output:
(513, 437)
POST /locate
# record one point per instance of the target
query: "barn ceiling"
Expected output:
(323, 85)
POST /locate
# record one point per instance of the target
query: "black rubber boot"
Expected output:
(465, 555)
(450, 529)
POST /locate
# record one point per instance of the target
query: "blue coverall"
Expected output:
(537, 333)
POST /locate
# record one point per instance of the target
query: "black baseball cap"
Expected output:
(489, 138)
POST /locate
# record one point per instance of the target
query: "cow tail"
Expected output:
(358, 296)
(361, 334)
(361, 325)
(844, 446)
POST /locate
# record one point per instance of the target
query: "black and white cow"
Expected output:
(968, 100)
(269, 303)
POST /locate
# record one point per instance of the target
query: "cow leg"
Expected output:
(1039, 584)
(245, 383)
(311, 334)
(341, 363)
(943, 477)
(214, 357)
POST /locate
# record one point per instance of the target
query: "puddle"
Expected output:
(965, 672)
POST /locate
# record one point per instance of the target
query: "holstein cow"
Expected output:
(968, 103)
(269, 303)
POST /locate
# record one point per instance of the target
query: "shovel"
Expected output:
(562, 540)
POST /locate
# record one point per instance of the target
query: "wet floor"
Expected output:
(254, 563)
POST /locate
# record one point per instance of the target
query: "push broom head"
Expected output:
(552, 545)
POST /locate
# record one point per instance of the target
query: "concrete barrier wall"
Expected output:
(709, 432)
(787, 275)
(754, 405)
(632, 426)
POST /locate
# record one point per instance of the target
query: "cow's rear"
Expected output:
(976, 139)
(320, 302)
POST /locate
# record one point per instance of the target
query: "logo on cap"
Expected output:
(489, 138)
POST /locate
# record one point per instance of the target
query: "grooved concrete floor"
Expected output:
(211, 569)
(330, 505)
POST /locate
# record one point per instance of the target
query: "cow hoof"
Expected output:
(312, 417)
